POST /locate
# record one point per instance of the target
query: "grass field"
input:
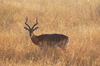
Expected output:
(77, 19)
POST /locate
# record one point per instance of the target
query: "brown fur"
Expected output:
(50, 40)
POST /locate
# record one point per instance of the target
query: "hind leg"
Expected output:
(64, 49)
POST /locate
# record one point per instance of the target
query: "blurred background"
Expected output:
(77, 19)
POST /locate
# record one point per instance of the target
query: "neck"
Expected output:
(35, 39)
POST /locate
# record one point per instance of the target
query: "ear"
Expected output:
(26, 28)
(35, 28)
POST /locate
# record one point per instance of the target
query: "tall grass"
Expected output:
(79, 20)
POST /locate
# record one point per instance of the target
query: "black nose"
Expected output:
(30, 35)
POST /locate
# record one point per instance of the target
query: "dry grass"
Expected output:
(79, 20)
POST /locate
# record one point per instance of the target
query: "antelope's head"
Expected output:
(31, 30)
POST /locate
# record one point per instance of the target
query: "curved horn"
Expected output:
(36, 23)
(26, 22)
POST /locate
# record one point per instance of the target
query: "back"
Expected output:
(53, 39)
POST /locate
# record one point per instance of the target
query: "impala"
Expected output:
(52, 40)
